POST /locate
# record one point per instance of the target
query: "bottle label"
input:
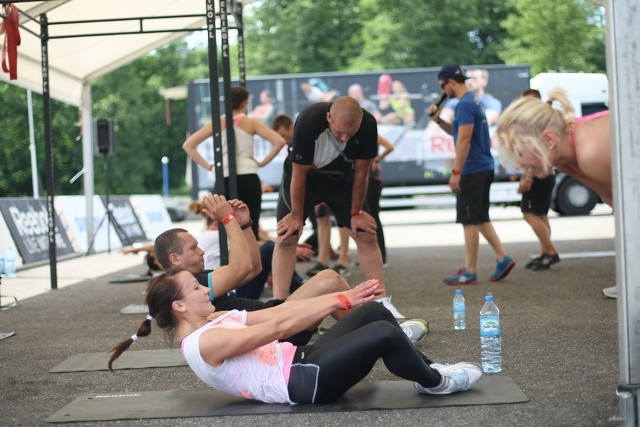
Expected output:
(458, 307)
(490, 326)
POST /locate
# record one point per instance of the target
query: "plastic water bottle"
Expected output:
(490, 341)
(10, 264)
(459, 316)
(1, 266)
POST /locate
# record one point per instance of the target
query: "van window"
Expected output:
(592, 108)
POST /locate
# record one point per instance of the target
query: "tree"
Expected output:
(294, 36)
(15, 169)
(555, 35)
(404, 33)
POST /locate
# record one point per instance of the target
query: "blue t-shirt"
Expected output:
(470, 111)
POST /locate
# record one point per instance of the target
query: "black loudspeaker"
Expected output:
(104, 137)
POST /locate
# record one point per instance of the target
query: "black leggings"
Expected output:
(346, 353)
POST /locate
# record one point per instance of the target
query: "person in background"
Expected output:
(537, 135)
(471, 176)
(535, 204)
(477, 82)
(245, 128)
(243, 353)
(265, 110)
(356, 92)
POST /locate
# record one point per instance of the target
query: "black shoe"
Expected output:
(316, 269)
(546, 261)
(533, 262)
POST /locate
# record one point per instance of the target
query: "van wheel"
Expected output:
(574, 198)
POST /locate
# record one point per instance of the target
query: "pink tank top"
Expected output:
(572, 134)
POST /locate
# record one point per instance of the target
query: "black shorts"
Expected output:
(538, 199)
(472, 202)
(337, 199)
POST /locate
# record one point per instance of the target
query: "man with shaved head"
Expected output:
(333, 145)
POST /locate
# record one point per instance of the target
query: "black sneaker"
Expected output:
(533, 262)
(316, 269)
(545, 261)
(341, 270)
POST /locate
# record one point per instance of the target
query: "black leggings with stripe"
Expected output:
(346, 353)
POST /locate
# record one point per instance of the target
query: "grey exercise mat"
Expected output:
(140, 359)
(208, 402)
(135, 309)
(130, 278)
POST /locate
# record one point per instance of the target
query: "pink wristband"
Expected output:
(228, 218)
(345, 301)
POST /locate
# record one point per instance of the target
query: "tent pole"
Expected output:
(48, 145)
(623, 60)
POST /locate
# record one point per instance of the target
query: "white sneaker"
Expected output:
(415, 329)
(386, 303)
(611, 292)
(459, 377)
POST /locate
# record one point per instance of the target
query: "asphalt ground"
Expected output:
(559, 332)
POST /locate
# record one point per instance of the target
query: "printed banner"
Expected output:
(28, 223)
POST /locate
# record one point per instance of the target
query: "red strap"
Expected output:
(11, 28)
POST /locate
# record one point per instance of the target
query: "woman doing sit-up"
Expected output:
(238, 352)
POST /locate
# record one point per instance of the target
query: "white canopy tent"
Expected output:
(74, 62)
(66, 44)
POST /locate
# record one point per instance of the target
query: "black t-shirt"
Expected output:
(313, 144)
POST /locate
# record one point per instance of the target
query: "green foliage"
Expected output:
(554, 35)
(15, 169)
(291, 36)
(301, 36)
(433, 34)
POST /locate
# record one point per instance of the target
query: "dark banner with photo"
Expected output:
(125, 220)
(27, 221)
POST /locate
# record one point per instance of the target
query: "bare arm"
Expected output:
(265, 326)
(291, 224)
(273, 137)
(195, 139)
(463, 144)
(228, 277)
(242, 213)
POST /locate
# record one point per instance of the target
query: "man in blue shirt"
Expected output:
(471, 176)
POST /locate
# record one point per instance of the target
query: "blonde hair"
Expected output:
(197, 207)
(523, 122)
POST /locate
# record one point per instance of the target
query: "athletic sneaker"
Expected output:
(316, 269)
(459, 377)
(543, 262)
(461, 277)
(503, 268)
(341, 270)
(415, 329)
(611, 292)
(386, 302)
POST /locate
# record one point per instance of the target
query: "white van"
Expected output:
(589, 93)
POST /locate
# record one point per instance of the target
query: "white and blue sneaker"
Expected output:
(459, 377)
(415, 329)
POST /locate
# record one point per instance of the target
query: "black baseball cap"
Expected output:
(453, 72)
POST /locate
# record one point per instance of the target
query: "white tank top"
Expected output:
(257, 375)
(245, 164)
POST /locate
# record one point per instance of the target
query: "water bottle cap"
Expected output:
(488, 298)
(458, 291)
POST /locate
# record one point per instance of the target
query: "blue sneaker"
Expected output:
(503, 268)
(462, 277)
